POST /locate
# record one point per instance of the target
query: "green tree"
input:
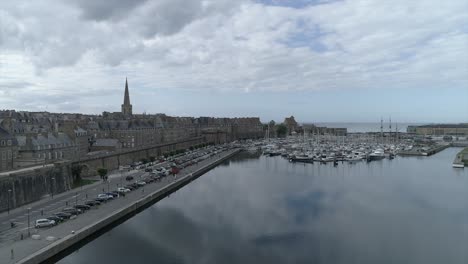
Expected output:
(152, 158)
(281, 130)
(144, 160)
(102, 172)
(76, 170)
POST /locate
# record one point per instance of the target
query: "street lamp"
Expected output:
(29, 210)
(53, 186)
(108, 183)
(76, 198)
(9, 198)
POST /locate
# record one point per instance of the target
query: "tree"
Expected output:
(76, 170)
(102, 172)
(272, 124)
(144, 160)
(281, 130)
(152, 158)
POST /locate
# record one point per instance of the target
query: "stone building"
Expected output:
(290, 124)
(8, 150)
(440, 129)
(43, 137)
(44, 148)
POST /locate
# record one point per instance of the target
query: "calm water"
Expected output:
(267, 210)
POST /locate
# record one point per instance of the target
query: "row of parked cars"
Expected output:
(156, 174)
(73, 211)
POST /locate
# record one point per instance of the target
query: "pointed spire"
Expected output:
(127, 95)
(126, 106)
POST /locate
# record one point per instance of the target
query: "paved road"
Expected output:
(49, 205)
(23, 248)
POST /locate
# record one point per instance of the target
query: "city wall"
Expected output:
(33, 184)
(20, 188)
(112, 161)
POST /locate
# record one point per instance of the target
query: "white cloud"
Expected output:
(230, 45)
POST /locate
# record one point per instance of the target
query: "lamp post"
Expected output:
(108, 183)
(9, 198)
(53, 186)
(29, 210)
(76, 198)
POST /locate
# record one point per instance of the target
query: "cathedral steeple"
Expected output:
(126, 107)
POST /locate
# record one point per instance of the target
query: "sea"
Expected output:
(267, 210)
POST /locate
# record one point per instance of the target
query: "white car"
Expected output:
(44, 223)
(123, 190)
(105, 196)
(141, 183)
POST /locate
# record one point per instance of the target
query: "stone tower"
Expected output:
(126, 107)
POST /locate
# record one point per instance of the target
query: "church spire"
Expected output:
(126, 106)
(127, 96)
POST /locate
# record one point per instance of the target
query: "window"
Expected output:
(3, 155)
(9, 142)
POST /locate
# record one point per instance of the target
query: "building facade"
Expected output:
(34, 138)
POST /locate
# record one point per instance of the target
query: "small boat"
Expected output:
(378, 154)
(302, 158)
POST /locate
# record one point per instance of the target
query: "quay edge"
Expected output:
(53, 250)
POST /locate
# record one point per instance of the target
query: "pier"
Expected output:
(461, 159)
(428, 151)
(50, 243)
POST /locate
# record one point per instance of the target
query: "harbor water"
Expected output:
(258, 209)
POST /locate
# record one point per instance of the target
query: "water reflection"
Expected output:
(267, 210)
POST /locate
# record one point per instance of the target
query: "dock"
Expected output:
(424, 151)
(461, 159)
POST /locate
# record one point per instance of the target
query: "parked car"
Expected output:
(135, 185)
(101, 199)
(44, 223)
(129, 178)
(130, 187)
(55, 218)
(63, 215)
(92, 203)
(72, 211)
(141, 183)
(123, 190)
(82, 207)
(105, 196)
(113, 194)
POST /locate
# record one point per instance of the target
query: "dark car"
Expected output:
(129, 178)
(72, 211)
(101, 199)
(82, 207)
(113, 194)
(129, 187)
(92, 203)
(63, 215)
(57, 219)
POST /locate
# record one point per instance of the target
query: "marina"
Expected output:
(253, 208)
(334, 149)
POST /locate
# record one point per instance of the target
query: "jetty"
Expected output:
(461, 159)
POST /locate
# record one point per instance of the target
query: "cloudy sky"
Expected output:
(320, 60)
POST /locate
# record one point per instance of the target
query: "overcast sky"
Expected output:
(318, 60)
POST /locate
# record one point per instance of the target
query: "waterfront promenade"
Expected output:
(29, 250)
